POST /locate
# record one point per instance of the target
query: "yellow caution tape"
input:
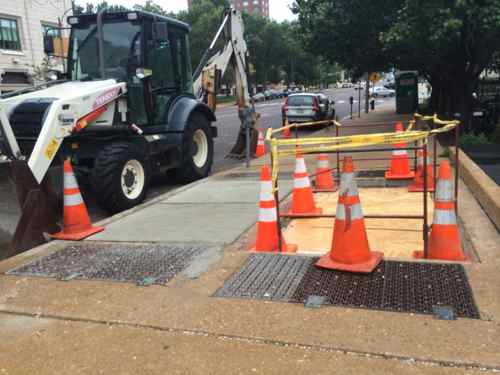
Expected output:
(288, 147)
(297, 125)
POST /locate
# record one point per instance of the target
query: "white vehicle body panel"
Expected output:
(74, 100)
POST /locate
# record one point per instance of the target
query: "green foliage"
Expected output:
(151, 7)
(471, 139)
(91, 8)
(205, 17)
(347, 31)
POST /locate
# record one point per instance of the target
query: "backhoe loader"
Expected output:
(128, 108)
(126, 111)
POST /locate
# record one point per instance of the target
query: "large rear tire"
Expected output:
(121, 176)
(197, 149)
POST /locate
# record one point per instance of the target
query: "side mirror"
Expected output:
(160, 31)
(48, 45)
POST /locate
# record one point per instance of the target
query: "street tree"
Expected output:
(452, 42)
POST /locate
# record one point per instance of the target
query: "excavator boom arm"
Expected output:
(233, 54)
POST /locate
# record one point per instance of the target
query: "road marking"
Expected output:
(341, 102)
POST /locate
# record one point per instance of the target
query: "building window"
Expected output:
(9, 34)
(50, 30)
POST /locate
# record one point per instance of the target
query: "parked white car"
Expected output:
(378, 91)
(259, 97)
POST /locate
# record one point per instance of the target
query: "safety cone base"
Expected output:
(288, 248)
(390, 176)
(77, 236)
(366, 267)
(419, 189)
(315, 213)
(419, 254)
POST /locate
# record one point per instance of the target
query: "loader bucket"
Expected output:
(31, 205)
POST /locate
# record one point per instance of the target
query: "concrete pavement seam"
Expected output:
(260, 340)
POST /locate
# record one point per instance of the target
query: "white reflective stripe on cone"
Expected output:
(266, 196)
(323, 164)
(399, 152)
(356, 212)
(268, 215)
(300, 166)
(445, 217)
(70, 181)
(445, 191)
(348, 184)
(266, 186)
(73, 199)
(301, 182)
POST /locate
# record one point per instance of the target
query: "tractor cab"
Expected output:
(150, 53)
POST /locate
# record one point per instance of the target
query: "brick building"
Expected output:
(23, 24)
(260, 7)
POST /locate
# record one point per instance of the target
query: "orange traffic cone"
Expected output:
(267, 226)
(77, 225)
(286, 132)
(400, 165)
(350, 250)
(302, 195)
(418, 182)
(324, 175)
(261, 147)
(444, 240)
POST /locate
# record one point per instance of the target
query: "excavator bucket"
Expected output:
(33, 204)
(249, 118)
(239, 149)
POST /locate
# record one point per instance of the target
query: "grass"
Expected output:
(226, 99)
(471, 139)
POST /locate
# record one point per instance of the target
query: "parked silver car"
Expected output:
(306, 107)
(381, 91)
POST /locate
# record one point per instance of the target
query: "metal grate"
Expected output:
(393, 286)
(266, 276)
(147, 264)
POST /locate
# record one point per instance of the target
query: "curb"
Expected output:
(484, 189)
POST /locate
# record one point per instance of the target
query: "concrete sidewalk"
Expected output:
(50, 326)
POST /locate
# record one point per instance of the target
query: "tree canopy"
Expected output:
(449, 41)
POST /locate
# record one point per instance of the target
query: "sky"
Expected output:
(278, 9)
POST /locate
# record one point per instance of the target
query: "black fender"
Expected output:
(182, 108)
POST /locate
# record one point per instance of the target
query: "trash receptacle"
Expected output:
(406, 92)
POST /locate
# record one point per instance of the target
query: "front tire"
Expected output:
(121, 176)
(197, 149)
